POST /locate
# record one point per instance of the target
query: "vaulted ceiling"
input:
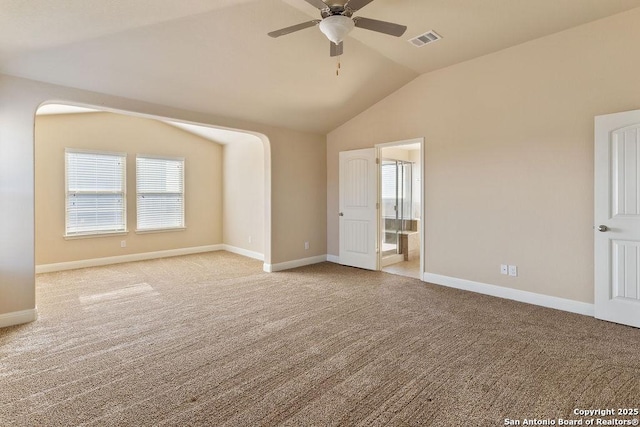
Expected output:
(214, 56)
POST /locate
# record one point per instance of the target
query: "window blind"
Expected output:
(160, 193)
(95, 192)
(389, 181)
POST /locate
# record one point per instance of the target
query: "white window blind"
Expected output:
(95, 193)
(160, 193)
(389, 181)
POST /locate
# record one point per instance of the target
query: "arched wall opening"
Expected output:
(224, 208)
(295, 171)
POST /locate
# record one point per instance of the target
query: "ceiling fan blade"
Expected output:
(357, 4)
(317, 3)
(291, 29)
(380, 26)
(336, 50)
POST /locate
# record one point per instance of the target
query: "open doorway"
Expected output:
(401, 208)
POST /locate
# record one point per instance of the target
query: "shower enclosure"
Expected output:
(397, 209)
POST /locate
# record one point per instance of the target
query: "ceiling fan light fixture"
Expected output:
(336, 27)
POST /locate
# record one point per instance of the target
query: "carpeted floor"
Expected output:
(211, 340)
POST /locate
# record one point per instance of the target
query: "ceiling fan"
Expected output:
(338, 20)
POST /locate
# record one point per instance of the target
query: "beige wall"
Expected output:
(300, 171)
(243, 194)
(394, 153)
(295, 183)
(509, 154)
(131, 135)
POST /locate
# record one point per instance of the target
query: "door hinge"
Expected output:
(377, 160)
(377, 205)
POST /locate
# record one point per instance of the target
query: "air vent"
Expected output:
(426, 38)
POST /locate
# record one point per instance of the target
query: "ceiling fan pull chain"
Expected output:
(338, 66)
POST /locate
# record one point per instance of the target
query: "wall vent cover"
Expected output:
(426, 38)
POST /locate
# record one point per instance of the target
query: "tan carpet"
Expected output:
(212, 340)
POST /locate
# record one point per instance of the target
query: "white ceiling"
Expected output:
(51, 109)
(214, 56)
(217, 135)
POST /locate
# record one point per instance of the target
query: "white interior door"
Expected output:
(617, 218)
(358, 178)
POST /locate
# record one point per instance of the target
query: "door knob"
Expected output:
(603, 228)
(340, 214)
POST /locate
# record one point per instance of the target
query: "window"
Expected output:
(95, 193)
(160, 193)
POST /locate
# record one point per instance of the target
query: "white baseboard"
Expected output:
(18, 317)
(271, 268)
(333, 258)
(512, 294)
(96, 262)
(243, 252)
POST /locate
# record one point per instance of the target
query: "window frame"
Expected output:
(95, 233)
(181, 227)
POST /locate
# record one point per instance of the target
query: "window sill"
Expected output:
(92, 235)
(161, 230)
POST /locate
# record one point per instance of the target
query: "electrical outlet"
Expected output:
(250, 239)
(504, 269)
(513, 270)
(123, 243)
(306, 246)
